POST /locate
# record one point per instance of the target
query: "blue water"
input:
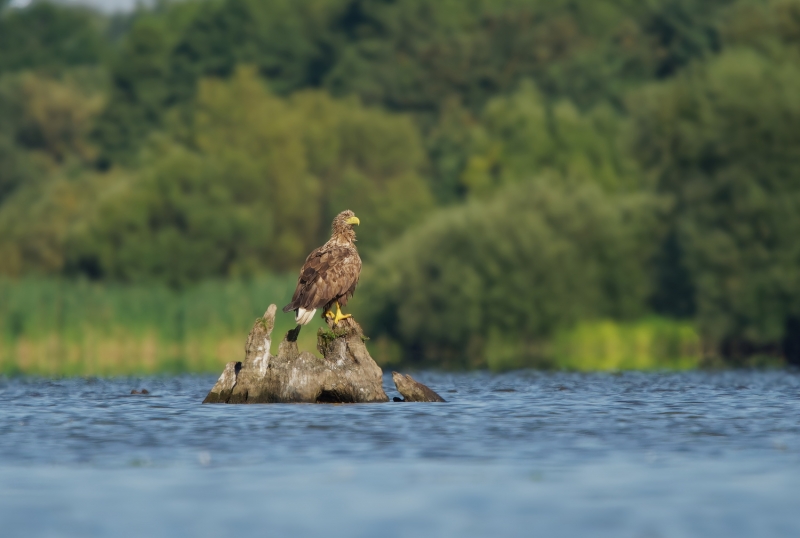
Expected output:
(521, 454)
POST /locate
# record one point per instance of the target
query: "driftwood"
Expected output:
(345, 374)
(414, 391)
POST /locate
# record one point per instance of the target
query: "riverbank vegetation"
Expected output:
(58, 327)
(523, 170)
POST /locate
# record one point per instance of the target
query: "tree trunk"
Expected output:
(345, 374)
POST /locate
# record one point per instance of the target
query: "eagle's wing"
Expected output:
(328, 273)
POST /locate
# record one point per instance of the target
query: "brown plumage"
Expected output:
(330, 274)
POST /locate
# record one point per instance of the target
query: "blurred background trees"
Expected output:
(521, 167)
(720, 141)
(540, 256)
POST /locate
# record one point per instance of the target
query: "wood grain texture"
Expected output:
(345, 374)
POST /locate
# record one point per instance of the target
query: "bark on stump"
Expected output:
(345, 374)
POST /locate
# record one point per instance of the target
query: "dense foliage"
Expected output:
(253, 181)
(538, 257)
(723, 142)
(519, 166)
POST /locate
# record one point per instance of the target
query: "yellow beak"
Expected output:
(354, 220)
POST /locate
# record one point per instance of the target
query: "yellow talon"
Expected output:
(329, 314)
(339, 316)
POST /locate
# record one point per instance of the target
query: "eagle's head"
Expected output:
(343, 225)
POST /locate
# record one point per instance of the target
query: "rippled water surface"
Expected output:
(521, 454)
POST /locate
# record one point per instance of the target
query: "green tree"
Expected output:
(15, 167)
(427, 59)
(166, 53)
(341, 153)
(38, 217)
(138, 95)
(176, 222)
(772, 28)
(522, 134)
(538, 258)
(48, 35)
(722, 140)
(252, 182)
(45, 125)
(281, 37)
(53, 116)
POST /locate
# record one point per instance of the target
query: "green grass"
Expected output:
(53, 327)
(61, 328)
(647, 344)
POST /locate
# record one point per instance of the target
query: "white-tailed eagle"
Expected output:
(330, 274)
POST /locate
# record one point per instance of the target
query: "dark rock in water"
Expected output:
(345, 374)
(414, 391)
(143, 391)
(396, 399)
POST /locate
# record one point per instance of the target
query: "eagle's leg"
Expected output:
(339, 316)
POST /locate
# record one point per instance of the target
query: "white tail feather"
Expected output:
(303, 316)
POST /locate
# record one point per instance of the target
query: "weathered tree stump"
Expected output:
(414, 391)
(345, 374)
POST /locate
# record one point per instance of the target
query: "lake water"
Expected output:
(520, 454)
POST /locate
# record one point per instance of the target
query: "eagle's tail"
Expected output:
(303, 316)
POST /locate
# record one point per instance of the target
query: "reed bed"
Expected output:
(65, 328)
(648, 344)
(604, 345)
(56, 327)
